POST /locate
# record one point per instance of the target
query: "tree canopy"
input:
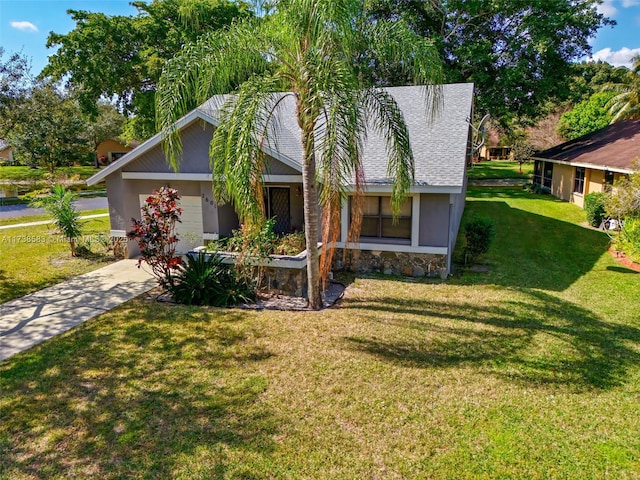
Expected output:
(119, 56)
(586, 117)
(519, 53)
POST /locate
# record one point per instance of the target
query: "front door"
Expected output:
(279, 208)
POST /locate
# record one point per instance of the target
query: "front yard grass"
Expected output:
(37, 256)
(531, 370)
(500, 169)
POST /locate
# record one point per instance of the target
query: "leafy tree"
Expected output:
(624, 200)
(15, 82)
(305, 47)
(107, 124)
(586, 117)
(59, 204)
(156, 235)
(589, 78)
(518, 53)
(123, 56)
(623, 204)
(521, 150)
(49, 130)
(626, 102)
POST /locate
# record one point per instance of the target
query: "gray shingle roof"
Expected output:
(440, 147)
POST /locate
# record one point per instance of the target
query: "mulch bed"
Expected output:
(623, 260)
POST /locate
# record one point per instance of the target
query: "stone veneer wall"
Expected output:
(391, 263)
(285, 281)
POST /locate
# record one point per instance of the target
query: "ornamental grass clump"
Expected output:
(206, 280)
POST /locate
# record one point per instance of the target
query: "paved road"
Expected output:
(22, 210)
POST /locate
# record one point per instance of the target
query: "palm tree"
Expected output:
(626, 103)
(314, 51)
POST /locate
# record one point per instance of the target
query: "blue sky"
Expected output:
(25, 25)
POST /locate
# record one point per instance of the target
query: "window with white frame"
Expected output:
(378, 221)
(578, 184)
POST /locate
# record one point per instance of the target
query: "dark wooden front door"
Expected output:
(279, 208)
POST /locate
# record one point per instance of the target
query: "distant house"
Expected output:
(110, 150)
(590, 163)
(420, 242)
(6, 153)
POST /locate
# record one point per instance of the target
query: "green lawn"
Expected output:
(500, 169)
(36, 257)
(529, 371)
(22, 174)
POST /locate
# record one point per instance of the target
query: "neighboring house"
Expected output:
(591, 163)
(112, 149)
(6, 153)
(419, 242)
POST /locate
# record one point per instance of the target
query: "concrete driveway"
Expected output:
(29, 320)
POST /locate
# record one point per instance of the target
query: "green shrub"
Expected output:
(206, 280)
(594, 206)
(479, 233)
(628, 239)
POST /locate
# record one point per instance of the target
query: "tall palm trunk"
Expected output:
(310, 206)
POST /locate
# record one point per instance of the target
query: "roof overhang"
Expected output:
(157, 139)
(587, 165)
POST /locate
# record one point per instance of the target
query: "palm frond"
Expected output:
(217, 63)
(388, 121)
(237, 147)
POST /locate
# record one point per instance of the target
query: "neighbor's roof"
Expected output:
(614, 147)
(3, 145)
(440, 147)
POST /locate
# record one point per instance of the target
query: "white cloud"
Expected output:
(630, 3)
(618, 58)
(607, 8)
(25, 26)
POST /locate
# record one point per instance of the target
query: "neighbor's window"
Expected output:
(608, 177)
(378, 222)
(578, 184)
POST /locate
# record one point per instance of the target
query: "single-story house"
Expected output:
(419, 243)
(111, 149)
(591, 163)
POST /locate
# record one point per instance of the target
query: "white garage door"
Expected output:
(189, 231)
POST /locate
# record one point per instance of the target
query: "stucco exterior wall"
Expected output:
(107, 147)
(594, 180)
(6, 155)
(434, 220)
(562, 181)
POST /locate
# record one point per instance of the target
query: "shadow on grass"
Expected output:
(142, 399)
(537, 339)
(622, 270)
(10, 288)
(531, 250)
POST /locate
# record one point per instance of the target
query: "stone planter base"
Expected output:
(391, 263)
(282, 274)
